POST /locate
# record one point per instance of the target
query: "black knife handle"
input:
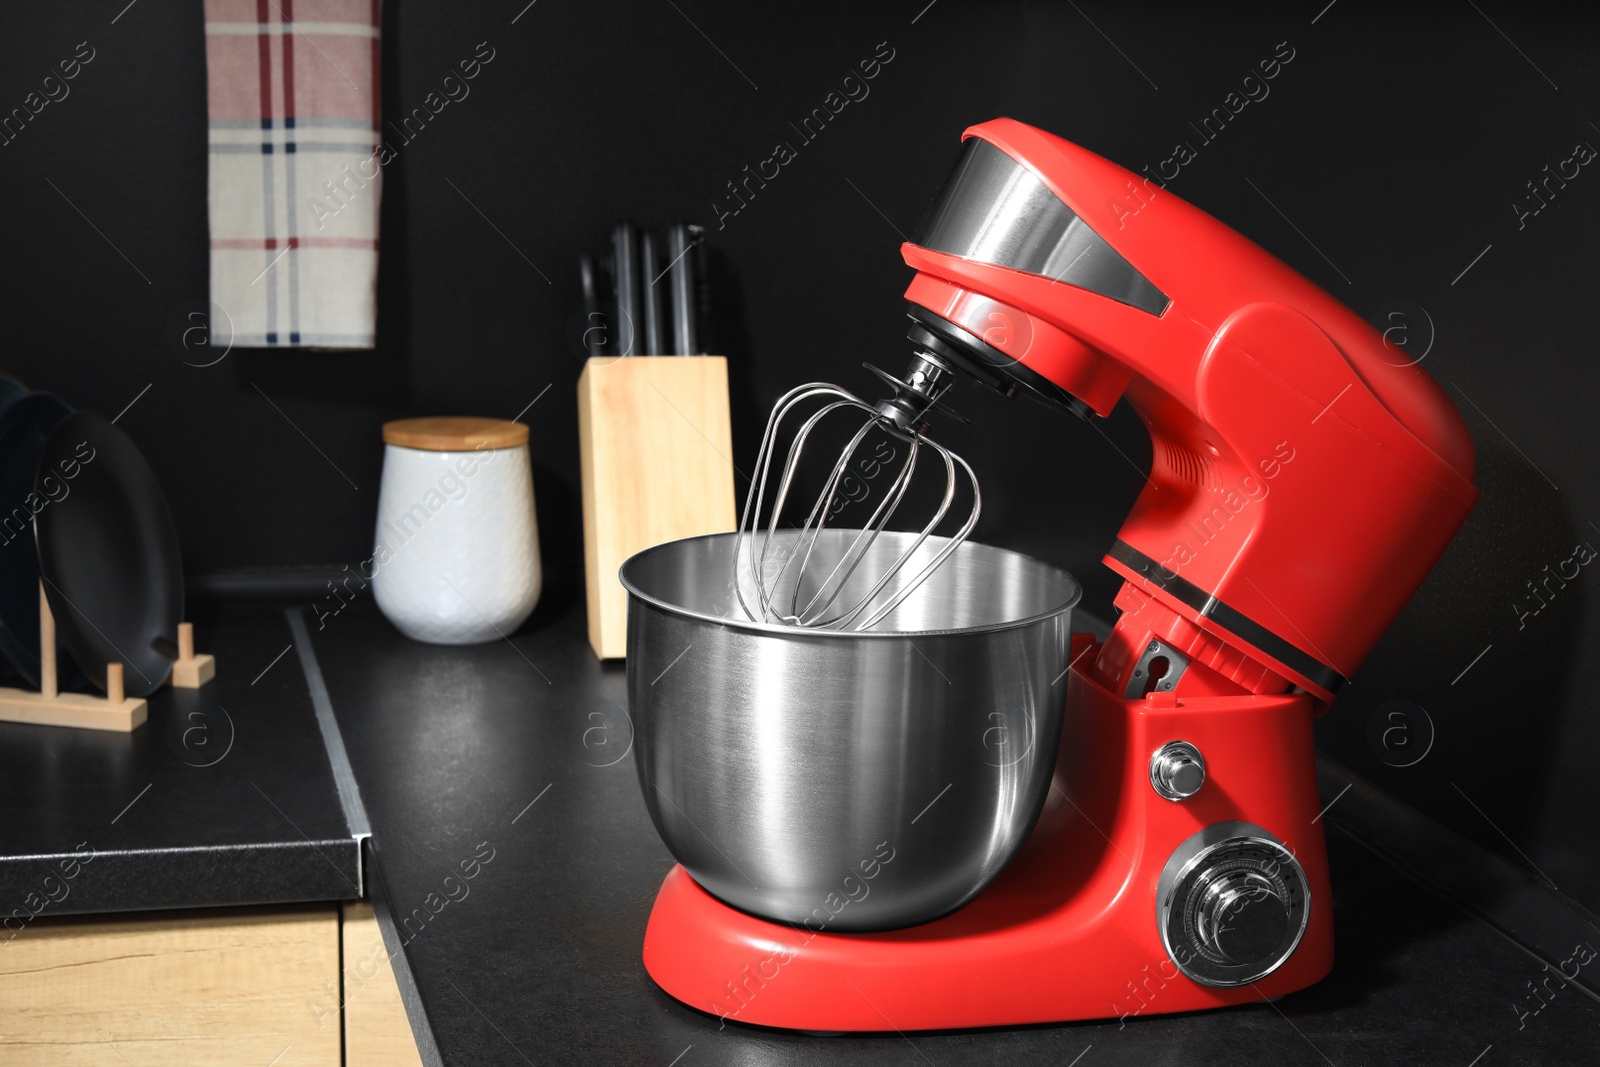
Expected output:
(655, 341)
(595, 328)
(625, 271)
(685, 341)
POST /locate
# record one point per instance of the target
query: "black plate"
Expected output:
(24, 425)
(109, 553)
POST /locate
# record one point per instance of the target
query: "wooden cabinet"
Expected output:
(246, 986)
(376, 1031)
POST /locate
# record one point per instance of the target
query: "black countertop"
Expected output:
(224, 796)
(510, 761)
(513, 866)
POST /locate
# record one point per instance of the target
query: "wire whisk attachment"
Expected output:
(777, 570)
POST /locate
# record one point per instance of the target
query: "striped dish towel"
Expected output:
(294, 169)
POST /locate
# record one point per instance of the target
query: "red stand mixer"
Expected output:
(1305, 478)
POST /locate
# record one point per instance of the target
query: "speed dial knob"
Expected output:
(1232, 905)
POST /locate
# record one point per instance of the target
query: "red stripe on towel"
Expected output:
(264, 50)
(294, 242)
(377, 86)
(288, 61)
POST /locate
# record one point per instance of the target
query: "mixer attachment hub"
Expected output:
(917, 394)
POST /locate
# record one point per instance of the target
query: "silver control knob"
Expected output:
(1241, 916)
(1232, 905)
(1177, 770)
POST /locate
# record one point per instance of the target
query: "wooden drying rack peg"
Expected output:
(51, 707)
(191, 671)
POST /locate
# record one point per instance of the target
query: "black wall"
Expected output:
(1397, 142)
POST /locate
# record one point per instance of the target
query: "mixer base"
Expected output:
(1069, 930)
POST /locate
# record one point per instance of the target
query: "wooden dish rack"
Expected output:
(116, 710)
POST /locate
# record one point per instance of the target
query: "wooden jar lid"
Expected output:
(442, 433)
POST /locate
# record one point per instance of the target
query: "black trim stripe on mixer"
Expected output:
(1230, 619)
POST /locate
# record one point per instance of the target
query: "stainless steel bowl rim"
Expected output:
(748, 625)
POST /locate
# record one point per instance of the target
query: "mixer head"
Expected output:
(778, 586)
(995, 209)
(1045, 270)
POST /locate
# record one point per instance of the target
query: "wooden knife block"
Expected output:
(656, 449)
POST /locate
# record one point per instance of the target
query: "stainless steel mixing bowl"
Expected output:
(847, 781)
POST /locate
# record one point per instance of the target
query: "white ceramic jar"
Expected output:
(456, 555)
